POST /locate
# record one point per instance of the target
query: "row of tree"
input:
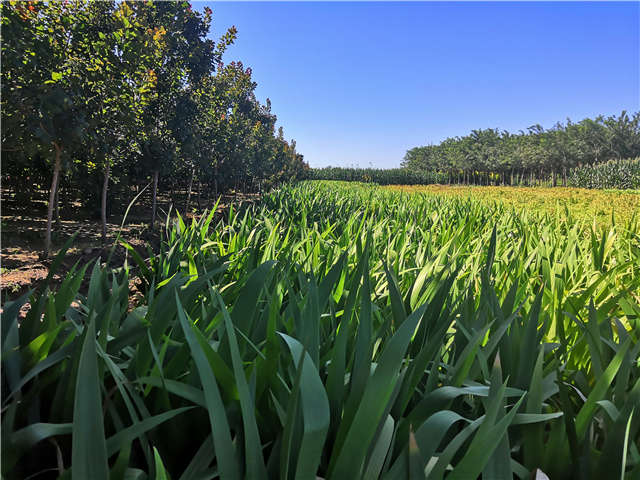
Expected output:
(381, 176)
(492, 156)
(125, 93)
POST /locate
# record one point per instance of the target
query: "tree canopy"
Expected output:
(123, 93)
(493, 155)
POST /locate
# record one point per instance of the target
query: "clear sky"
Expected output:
(357, 84)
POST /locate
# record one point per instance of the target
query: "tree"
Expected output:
(44, 88)
(118, 81)
(186, 56)
(100, 94)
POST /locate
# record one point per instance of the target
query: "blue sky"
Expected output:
(357, 84)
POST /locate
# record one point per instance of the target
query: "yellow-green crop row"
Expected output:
(584, 205)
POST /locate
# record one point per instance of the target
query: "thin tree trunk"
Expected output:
(199, 193)
(52, 196)
(57, 208)
(215, 185)
(172, 192)
(156, 174)
(186, 208)
(103, 207)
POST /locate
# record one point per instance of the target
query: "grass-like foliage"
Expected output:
(621, 174)
(340, 332)
(598, 206)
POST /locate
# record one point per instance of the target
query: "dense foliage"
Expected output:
(342, 331)
(390, 176)
(492, 156)
(620, 174)
(126, 93)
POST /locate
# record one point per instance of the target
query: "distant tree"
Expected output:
(535, 155)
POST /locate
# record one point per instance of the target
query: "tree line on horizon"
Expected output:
(594, 153)
(102, 98)
(492, 156)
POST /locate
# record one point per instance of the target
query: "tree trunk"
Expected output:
(52, 197)
(57, 208)
(156, 174)
(172, 192)
(186, 207)
(564, 176)
(215, 185)
(103, 207)
(199, 193)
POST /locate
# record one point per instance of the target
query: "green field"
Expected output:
(339, 331)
